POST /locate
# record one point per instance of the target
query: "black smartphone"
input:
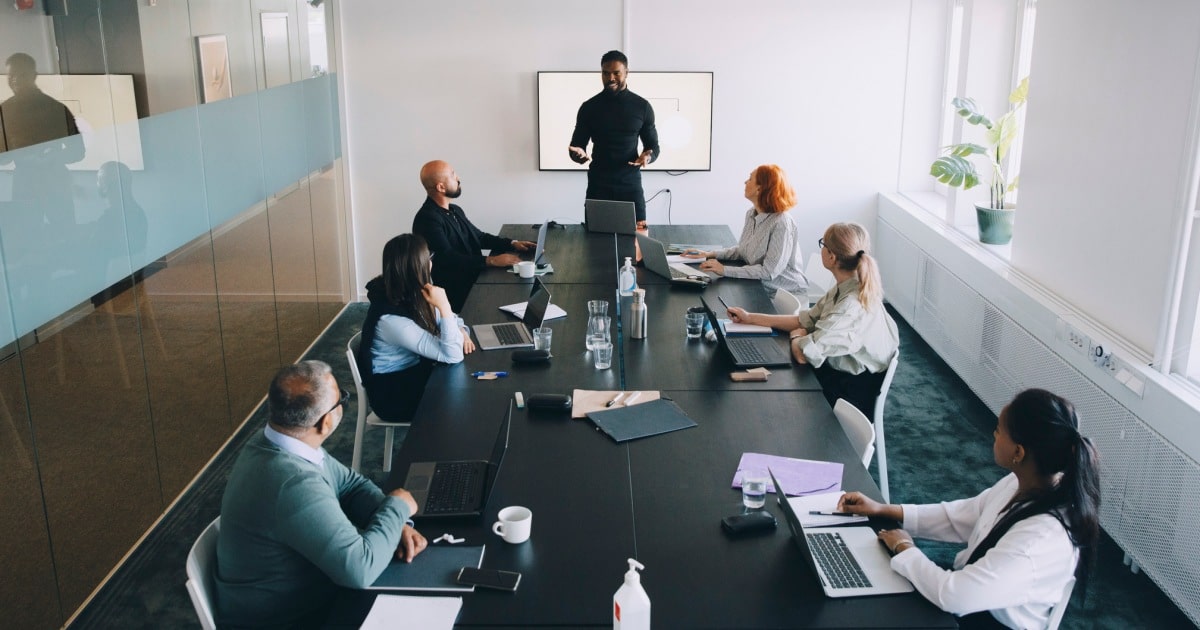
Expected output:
(749, 523)
(489, 578)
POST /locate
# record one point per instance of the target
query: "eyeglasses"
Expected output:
(821, 242)
(343, 398)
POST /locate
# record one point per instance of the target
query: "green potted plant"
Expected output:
(955, 168)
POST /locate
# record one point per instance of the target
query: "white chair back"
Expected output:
(201, 571)
(1056, 613)
(858, 430)
(365, 415)
(787, 304)
(880, 440)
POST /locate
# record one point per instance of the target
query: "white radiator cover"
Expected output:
(996, 330)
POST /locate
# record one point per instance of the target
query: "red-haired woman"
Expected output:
(768, 246)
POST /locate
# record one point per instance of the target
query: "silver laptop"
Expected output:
(849, 561)
(539, 252)
(516, 334)
(654, 256)
(617, 217)
(457, 488)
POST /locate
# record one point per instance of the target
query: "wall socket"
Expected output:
(1100, 356)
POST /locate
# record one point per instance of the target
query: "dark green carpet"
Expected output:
(939, 441)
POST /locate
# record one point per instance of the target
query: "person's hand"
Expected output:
(578, 155)
(404, 495)
(503, 260)
(859, 503)
(411, 544)
(696, 253)
(524, 246)
(896, 540)
(642, 227)
(738, 315)
(468, 345)
(436, 296)
(714, 266)
(642, 159)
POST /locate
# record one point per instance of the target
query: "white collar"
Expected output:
(296, 447)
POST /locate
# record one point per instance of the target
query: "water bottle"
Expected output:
(628, 279)
(637, 315)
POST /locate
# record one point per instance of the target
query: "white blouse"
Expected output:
(1018, 580)
(770, 247)
(851, 338)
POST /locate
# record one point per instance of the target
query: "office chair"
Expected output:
(1056, 613)
(787, 304)
(858, 429)
(201, 569)
(367, 417)
(880, 446)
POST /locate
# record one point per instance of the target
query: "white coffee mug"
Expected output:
(526, 268)
(514, 524)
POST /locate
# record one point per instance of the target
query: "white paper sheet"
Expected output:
(824, 502)
(409, 611)
(552, 312)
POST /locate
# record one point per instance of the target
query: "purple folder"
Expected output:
(801, 477)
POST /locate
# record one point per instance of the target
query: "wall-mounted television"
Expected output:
(682, 103)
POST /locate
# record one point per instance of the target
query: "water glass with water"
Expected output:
(695, 324)
(602, 354)
(597, 308)
(754, 488)
(542, 337)
(597, 326)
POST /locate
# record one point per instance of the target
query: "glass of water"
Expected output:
(754, 488)
(695, 324)
(597, 326)
(542, 337)
(602, 354)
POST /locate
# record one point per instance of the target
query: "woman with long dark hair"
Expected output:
(409, 327)
(1026, 536)
(847, 335)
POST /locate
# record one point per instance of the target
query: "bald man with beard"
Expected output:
(453, 239)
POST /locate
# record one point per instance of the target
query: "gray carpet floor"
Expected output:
(939, 441)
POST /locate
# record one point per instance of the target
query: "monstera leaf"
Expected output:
(955, 171)
(967, 148)
(967, 108)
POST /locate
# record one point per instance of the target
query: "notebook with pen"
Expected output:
(638, 421)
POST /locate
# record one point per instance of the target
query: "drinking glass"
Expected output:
(754, 488)
(597, 325)
(542, 337)
(603, 355)
(695, 324)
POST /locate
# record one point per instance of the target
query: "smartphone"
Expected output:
(489, 578)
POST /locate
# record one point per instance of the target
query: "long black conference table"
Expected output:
(658, 499)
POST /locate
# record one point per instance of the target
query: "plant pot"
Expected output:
(995, 224)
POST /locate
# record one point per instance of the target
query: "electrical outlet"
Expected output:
(1075, 338)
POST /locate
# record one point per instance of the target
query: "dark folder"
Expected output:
(639, 421)
(435, 569)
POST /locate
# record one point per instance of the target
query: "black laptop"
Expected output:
(617, 217)
(748, 352)
(457, 488)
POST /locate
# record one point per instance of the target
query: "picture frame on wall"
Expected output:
(212, 55)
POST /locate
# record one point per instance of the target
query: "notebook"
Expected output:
(654, 256)
(751, 351)
(435, 569)
(848, 561)
(457, 488)
(516, 334)
(617, 217)
(638, 421)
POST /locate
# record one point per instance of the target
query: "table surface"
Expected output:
(659, 499)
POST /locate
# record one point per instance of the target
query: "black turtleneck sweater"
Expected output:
(614, 122)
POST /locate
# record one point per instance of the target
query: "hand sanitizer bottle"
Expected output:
(627, 280)
(631, 605)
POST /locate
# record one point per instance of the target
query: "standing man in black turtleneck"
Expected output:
(453, 239)
(614, 120)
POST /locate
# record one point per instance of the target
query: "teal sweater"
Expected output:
(292, 530)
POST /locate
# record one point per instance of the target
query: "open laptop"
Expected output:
(654, 256)
(748, 352)
(516, 334)
(618, 217)
(539, 252)
(848, 561)
(457, 488)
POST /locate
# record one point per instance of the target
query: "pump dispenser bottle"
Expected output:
(631, 605)
(627, 280)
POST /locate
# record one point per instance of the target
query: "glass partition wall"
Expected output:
(170, 234)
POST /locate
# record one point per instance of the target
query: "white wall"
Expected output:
(817, 88)
(1110, 94)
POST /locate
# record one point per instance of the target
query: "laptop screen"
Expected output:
(712, 320)
(539, 301)
(497, 454)
(541, 243)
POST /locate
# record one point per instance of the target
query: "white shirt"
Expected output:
(850, 337)
(769, 245)
(289, 444)
(1018, 580)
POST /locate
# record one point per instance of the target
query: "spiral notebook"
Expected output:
(638, 421)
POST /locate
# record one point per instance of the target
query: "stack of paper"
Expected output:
(406, 611)
(824, 502)
(552, 312)
(799, 477)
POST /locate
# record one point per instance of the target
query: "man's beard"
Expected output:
(456, 193)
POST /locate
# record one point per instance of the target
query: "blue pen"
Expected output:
(497, 374)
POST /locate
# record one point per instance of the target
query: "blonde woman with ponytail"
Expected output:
(847, 336)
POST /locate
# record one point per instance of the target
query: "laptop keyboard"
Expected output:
(836, 562)
(509, 334)
(454, 488)
(745, 350)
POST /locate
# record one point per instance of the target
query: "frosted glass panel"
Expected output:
(283, 133)
(171, 189)
(233, 160)
(321, 128)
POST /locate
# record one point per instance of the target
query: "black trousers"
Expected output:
(860, 390)
(395, 395)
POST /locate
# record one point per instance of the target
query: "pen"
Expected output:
(723, 302)
(632, 397)
(614, 400)
(496, 374)
(824, 513)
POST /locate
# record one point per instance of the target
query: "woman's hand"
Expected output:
(859, 503)
(896, 540)
(696, 253)
(714, 266)
(739, 315)
(468, 345)
(436, 297)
